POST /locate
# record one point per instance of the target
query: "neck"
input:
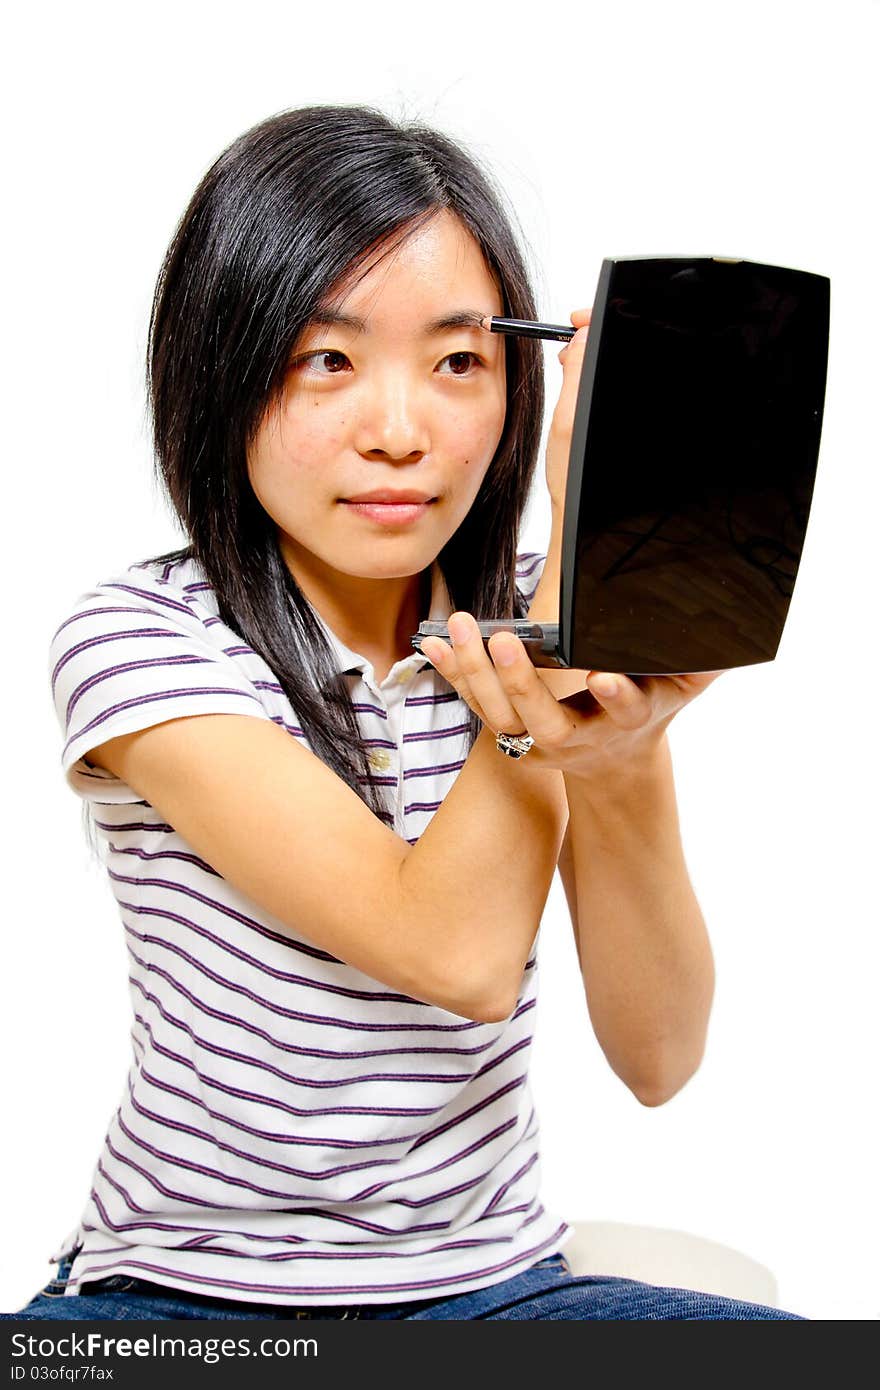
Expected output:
(374, 617)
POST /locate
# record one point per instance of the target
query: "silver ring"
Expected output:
(514, 745)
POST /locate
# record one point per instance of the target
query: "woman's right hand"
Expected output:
(562, 423)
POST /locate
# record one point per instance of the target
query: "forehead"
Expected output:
(436, 269)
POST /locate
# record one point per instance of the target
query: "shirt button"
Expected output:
(379, 760)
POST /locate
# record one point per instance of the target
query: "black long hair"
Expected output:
(285, 215)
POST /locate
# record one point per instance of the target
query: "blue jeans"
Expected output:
(548, 1290)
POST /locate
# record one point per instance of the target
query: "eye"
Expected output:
(323, 362)
(461, 363)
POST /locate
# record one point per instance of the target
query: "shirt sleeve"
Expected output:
(131, 654)
(529, 568)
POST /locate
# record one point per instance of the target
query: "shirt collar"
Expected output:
(439, 610)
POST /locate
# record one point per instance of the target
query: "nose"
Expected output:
(393, 423)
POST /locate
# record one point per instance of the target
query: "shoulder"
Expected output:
(176, 580)
(142, 647)
(173, 593)
(177, 585)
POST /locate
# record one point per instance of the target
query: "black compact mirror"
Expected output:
(692, 467)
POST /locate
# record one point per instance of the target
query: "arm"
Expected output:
(450, 920)
(641, 939)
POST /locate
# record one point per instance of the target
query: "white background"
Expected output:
(747, 129)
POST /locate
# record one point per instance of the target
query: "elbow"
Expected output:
(490, 1001)
(499, 999)
(489, 1006)
(479, 1013)
(669, 1071)
(485, 1007)
(664, 1084)
(495, 1012)
(652, 1098)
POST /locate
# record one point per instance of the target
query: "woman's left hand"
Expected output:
(593, 730)
(562, 420)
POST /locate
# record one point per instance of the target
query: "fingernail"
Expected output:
(504, 653)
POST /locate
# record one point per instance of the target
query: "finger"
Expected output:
(690, 685)
(630, 706)
(571, 357)
(550, 723)
(448, 662)
(574, 348)
(442, 657)
(653, 700)
(580, 317)
(475, 669)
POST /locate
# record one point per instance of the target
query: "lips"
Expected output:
(390, 497)
(392, 509)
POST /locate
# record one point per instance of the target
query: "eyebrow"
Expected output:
(461, 318)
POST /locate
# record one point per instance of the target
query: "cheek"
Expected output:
(474, 440)
(306, 437)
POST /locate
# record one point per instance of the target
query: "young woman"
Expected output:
(329, 875)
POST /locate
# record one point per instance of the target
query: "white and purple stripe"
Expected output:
(291, 1130)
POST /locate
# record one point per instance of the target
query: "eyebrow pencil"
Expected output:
(526, 328)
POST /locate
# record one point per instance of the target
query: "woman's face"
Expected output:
(387, 398)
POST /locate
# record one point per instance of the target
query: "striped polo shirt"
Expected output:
(291, 1130)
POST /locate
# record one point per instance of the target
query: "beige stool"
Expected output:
(673, 1259)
